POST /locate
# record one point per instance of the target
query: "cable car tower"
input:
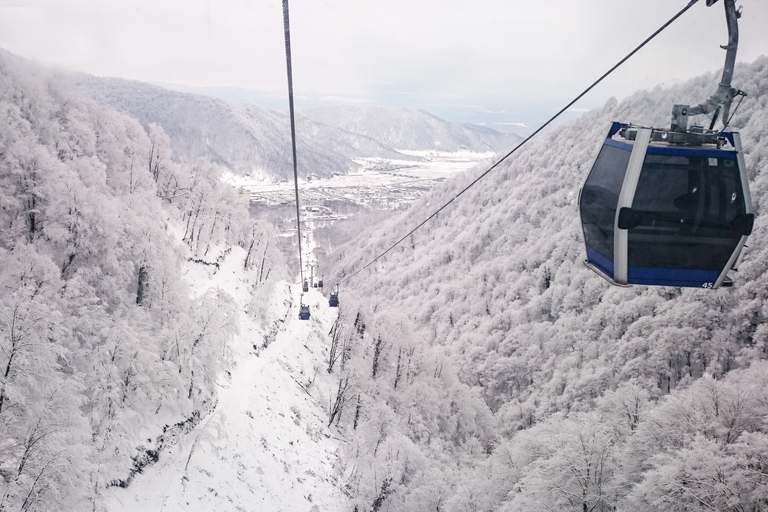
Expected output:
(671, 207)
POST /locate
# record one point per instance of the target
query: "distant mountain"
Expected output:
(244, 138)
(336, 139)
(249, 139)
(489, 137)
(411, 129)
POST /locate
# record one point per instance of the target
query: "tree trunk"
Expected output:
(399, 368)
(143, 286)
(377, 348)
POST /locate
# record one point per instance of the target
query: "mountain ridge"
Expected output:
(249, 139)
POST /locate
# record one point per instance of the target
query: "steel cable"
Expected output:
(539, 129)
(287, 30)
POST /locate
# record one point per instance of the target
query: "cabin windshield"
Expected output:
(686, 204)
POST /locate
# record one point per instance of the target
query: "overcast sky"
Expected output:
(492, 61)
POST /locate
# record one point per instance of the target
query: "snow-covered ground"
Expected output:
(266, 446)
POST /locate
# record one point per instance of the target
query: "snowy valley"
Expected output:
(266, 445)
(379, 185)
(153, 357)
(153, 354)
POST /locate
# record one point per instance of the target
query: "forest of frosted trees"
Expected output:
(478, 367)
(106, 354)
(487, 368)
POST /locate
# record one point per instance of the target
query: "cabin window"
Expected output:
(600, 196)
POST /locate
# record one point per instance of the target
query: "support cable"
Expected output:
(539, 129)
(287, 29)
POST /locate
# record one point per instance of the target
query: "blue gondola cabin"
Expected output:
(656, 212)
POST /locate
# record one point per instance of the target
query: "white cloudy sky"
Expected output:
(473, 56)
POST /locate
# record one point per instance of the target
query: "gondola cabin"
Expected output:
(333, 301)
(305, 286)
(303, 312)
(320, 283)
(666, 208)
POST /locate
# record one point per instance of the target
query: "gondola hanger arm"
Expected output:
(724, 95)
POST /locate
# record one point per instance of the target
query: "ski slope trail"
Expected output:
(266, 446)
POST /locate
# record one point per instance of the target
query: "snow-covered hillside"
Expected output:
(497, 280)
(136, 292)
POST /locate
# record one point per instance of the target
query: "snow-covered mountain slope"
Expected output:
(505, 261)
(266, 444)
(497, 279)
(411, 129)
(109, 353)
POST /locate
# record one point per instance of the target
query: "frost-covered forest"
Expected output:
(479, 367)
(489, 369)
(107, 355)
